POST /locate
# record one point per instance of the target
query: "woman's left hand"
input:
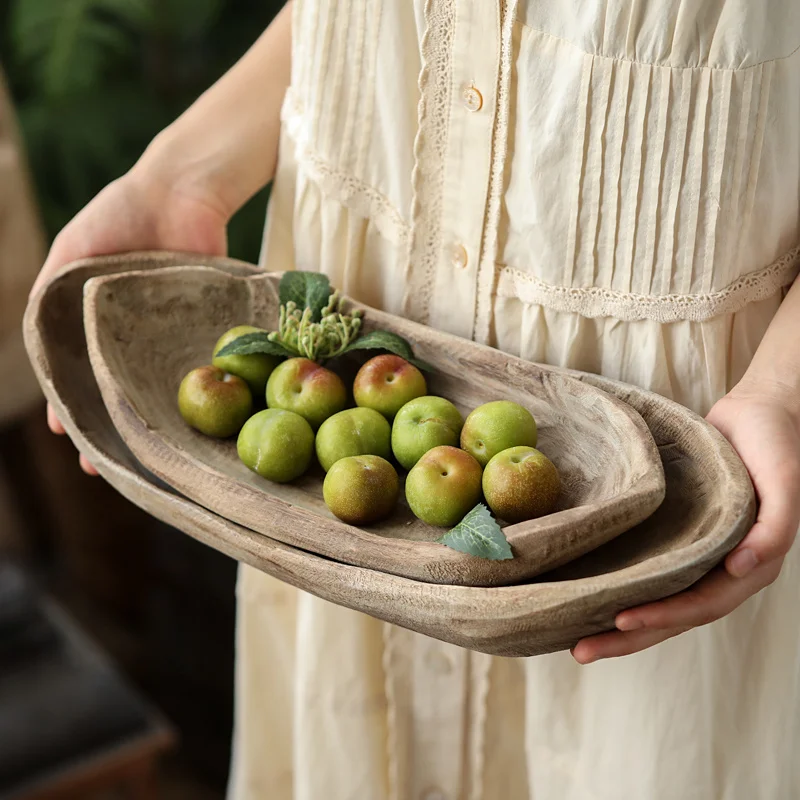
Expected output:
(764, 428)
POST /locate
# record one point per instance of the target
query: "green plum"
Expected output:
(277, 444)
(353, 432)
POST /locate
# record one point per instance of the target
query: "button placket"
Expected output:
(468, 167)
(441, 672)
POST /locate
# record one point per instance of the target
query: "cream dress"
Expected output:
(609, 186)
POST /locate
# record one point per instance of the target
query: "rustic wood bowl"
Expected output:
(145, 331)
(709, 507)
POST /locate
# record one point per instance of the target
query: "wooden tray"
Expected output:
(145, 331)
(709, 507)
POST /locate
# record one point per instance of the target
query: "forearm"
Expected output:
(225, 146)
(775, 368)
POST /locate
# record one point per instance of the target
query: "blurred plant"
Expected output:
(95, 80)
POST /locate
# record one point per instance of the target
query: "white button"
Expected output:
(459, 256)
(473, 99)
(439, 662)
(434, 794)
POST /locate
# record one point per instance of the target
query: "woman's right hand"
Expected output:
(139, 211)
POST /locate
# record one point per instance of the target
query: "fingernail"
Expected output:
(629, 624)
(584, 662)
(739, 564)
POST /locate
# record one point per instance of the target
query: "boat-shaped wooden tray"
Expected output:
(146, 330)
(709, 507)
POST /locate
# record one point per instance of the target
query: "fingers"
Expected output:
(777, 523)
(60, 253)
(87, 467)
(618, 643)
(56, 427)
(53, 422)
(711, 598)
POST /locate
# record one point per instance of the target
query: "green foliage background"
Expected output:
(94, 80)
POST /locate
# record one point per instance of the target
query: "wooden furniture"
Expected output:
(708, 508)
(146, 330)
(70, 725)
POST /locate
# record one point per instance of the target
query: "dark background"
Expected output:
(93, 81)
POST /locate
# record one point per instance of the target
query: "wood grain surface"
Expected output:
(709, 507)
(146, 330)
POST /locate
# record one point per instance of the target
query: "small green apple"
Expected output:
(276, 444)
(214, 402)
(386, 383)
(443, 486)
(255, 368)
(353, 432)
(496, 426)
(422, 424)
(361, 490)
(521, 483)
(303, 386)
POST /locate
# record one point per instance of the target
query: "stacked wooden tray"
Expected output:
(111, 338)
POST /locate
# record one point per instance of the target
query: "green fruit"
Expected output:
(255, 368)
(354, 432)
(494, 427)
(214, 402)
(521, 483)
(421, 425)
(361, 490)
(303, 386)
(443, 486)
(387, 383)
(277, 444)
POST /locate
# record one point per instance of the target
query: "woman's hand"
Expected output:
(763, 425)
(137, 212)
(197, 172)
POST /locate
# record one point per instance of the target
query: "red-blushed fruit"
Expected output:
(214, 402)
(443, 486)
(386, 383)
(521, 483)
(496, 426)
(254, 368)
(303, 386)
(361, 490)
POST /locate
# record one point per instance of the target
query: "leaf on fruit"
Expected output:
(391, 342)
(306, 290)
(252, 343)
(420, 364)
(479, 535)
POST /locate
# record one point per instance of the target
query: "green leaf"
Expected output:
(184, 19)
(479, 535)
(391, 342)
(71, 45)
(307, 290)
(252, 343)
(420, 364)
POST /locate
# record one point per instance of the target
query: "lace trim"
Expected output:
(598, 302)
(487, 271)
(430, 145)
(389, 644)
(360, 197)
